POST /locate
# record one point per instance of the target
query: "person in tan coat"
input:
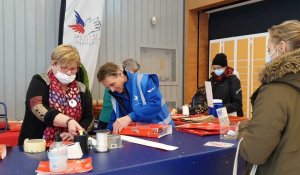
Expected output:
(271, 138)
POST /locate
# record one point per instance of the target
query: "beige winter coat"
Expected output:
(271, 138)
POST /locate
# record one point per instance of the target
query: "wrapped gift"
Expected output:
(208, 126)
(199, 132)
(202, 128)
(15, 126)
(147, 130)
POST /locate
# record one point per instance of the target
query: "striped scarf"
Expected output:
(227, 73)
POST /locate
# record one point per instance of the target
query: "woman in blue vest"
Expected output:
(135, 97)
(130, 65)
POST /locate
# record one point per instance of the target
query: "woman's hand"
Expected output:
(121, 123)
(62, 120)
(66, 136)
(73, 127)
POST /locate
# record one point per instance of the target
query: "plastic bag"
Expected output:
(199, 102)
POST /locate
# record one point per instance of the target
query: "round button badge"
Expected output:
(73, 103)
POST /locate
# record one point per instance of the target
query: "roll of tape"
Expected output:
(101, 136)
(34, 145)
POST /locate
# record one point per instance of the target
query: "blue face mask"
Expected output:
(269, 57)
(219, 72)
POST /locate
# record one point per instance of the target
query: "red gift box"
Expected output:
(147, 130)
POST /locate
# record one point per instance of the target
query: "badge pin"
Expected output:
(72, 103)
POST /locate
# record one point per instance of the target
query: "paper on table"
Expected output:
(219, 144)
(2, 151)
(92, 141)
(148, 143)
(74, 166)
(209, 94)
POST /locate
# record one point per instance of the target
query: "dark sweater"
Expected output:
(32, 127)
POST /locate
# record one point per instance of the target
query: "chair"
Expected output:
(3, 115)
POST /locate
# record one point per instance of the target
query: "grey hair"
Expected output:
(131, 65)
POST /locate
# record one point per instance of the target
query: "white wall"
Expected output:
(29, 32)
(127, 28)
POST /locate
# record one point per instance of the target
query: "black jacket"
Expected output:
(229, 90)
(32, 127)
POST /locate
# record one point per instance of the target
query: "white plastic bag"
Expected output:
(254, 168)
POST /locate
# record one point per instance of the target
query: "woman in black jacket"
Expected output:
(55, 101)
(226, 85)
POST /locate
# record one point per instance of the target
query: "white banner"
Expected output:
(82, 29)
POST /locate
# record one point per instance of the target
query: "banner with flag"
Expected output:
(80, 26)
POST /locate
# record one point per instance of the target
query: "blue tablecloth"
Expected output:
(190, 158)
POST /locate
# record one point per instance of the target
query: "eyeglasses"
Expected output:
(66, 69)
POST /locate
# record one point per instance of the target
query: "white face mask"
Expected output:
(64, 78)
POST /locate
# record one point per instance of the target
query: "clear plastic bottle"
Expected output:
(58, 155)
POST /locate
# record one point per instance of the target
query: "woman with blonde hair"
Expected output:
(270, 139)
(55, 101)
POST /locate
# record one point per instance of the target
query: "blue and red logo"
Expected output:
(88, 26)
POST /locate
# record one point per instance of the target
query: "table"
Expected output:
(190, 158)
